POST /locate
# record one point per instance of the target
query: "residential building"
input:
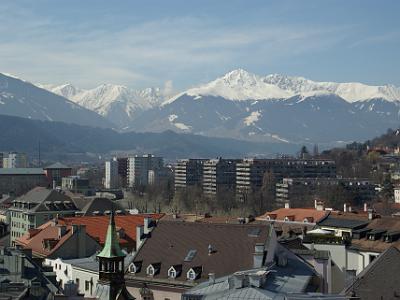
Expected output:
(77, 185)
(123, 164)
(250, 172)
(188, 172)
(52, 240)
(179, 255)
(14, 160)
(309, 216)
(37, 207)
(294, 189)
(396, 192)
(111, 180)
(127, 227)
(56, 172)
(139, 167)
(1, 159)
(342, 224)
(219, 177)
(17, 181)
(111, 283)
(379, 280)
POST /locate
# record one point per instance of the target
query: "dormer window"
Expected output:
(172, 273)
(305, 220)
(132, 268)
(286, 219)
(191, 275)
(150, 270)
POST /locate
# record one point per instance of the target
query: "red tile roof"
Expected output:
(96, 226)
(295, 214)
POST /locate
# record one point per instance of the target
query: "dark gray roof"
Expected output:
(331, 221)
(41, 195)
(21, 171)
(380, 279)
(57, 165)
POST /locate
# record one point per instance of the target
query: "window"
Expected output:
(87, 285)
(172, 272)
(132, 268)
(371, 258)
(150, 270)
(77, 282)
(191, 275)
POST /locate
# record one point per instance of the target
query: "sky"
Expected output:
(179, 44)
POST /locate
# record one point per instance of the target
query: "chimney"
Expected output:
(139, 236)
(349, 208)
(345, 207)
(210, 249)
(211, 278)
(370, 214)
(365, 207)
(258, 256)
(315, 203)
(147, 225)
(320, 206)
(287, 205)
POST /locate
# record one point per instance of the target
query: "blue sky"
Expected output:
(184, 43)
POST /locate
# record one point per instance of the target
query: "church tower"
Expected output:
(111, 284)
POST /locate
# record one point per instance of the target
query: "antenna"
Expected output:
(40, 162)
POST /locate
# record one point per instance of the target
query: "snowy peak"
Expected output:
(242, 85)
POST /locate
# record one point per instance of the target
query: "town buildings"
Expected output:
(55, 173)
(36, 208)
(188, 173)
(139, 167)
(14, 160)
(77, 185)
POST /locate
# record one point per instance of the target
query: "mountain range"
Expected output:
(240, 105)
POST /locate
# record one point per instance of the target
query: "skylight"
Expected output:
(190, 256)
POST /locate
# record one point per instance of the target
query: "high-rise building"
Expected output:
(139, 167)
(188, 172)
(123, 171)
(111, 174)
(219, 176)
(14, 160)
(250, 172)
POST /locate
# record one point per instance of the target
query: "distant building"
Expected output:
(77, 184)
(219, 177)
(36, 208)
(111, 174)
(1, 159)
(295, 215)
(123, 171)
(18, 181)
(15, 160)
(188, 172)
(396, 191)
(56, 172)
(250, 172)
(139, 167)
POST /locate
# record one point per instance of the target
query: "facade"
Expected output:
(36, 208)
(17, 181)
(188, 172)
(219, 177)
(290, 189)
(139, 167)
(111, 180)
(250, 172)
(56, 172)
(14, 160)
(396, 191)
(123, 171)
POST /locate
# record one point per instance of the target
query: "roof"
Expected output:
(380, 225)
(40, 195)
(343, 222)
(111, 247)
(21, 171)
(96, 226)
(297, 214)
(96, 204)
(380, 279)
(57, 165)
(171, 243)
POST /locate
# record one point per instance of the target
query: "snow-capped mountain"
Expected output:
(117, 103)
(242, 85)
(23, 99)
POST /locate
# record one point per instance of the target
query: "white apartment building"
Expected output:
(139, 167)
(111, 180)
(14, 160)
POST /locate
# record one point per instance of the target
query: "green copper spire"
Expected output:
(111, 246)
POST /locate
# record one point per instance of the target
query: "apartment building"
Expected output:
(139, 167)
(250, 172)
(188, 172)
(111, 180)
(15, 160)
(219, 176)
